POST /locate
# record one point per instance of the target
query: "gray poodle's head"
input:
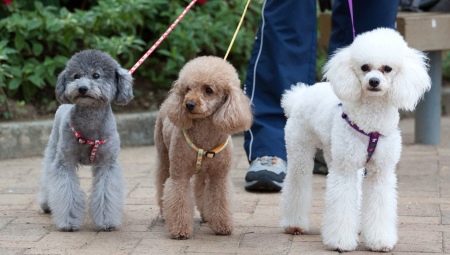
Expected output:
(93, 78)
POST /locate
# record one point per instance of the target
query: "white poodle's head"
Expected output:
(379, 63)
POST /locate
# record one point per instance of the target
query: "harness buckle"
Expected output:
(210, 154)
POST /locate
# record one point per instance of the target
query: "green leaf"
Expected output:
(37, 48)
(36, 80)
(14, 83)
(16, 71)
(19, 42)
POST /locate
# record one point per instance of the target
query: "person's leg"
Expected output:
(284, 53)
(368, 15)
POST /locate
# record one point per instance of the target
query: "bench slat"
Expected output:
(424, 31)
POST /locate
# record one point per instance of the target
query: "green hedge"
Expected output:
(39, 36)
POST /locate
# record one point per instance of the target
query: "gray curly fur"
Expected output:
(92, 116)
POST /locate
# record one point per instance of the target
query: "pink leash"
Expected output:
(163, 36)
(350, 7)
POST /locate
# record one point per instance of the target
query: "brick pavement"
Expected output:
(424, 209)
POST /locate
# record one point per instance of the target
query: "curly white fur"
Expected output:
(314, 121)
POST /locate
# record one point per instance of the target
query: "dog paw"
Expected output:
(223, 230)
(46, 210)
(221, 226)
(342, 245)
(381, 241)
(382, 249)
(293, 230)
(380, 246)
(106, 228)
(69, 228)
(180, 235)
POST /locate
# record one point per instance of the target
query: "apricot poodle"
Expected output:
(192, 136)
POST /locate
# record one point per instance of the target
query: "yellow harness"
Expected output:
(201, 152)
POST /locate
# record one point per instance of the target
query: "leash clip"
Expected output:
(210, 154)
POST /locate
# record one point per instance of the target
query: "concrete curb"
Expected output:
(25, 139)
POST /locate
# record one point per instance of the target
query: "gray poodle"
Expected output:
(84, 132)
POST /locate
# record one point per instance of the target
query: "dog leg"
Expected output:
(43, 195)
(341, 217)
(199, 190)
(297, 188)
(217, 205)
(65, 197)
(49, 157)
(379, 211)
(178, 207)
(162, 172)
(161, 176)
(107, 196)
(43, 192)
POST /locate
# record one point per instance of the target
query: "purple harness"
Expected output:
(373, 136)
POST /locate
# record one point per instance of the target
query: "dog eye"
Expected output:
(209, 90)
(387, 69)
(95, 76)
(188, 89)
(365, 68)
(76, 76)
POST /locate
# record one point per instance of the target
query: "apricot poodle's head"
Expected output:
(209, 87)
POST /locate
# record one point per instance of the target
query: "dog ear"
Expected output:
(124, 83)
(174, 106)
(411, 81)
(235, 115)
(61, 87)
(338, 71)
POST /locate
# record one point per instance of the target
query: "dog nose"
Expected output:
(190, 105)
(82, 90)
(374, 82)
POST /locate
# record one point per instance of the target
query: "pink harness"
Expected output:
(94, 143)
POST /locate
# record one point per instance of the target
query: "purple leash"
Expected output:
(350, 7)
(373, 137)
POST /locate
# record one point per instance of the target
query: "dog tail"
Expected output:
(290, 97)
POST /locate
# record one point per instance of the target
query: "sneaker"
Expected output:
(265, 174)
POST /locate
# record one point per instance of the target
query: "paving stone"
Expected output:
(23, 232)
(422, 248)
(265, 243)
(4, 221)
(16, 199)
(43, 219)
(424, 209)
(66, 240)
(446, 241)
(310, 248)
(419, 209)
(163, 246)
(11, 251)
(41, 251)
(115, 242)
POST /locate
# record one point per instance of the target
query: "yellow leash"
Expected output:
(201, 152)
(237, 30)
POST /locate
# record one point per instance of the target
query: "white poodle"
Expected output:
(354, 119)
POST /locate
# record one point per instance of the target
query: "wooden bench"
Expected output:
(429, 32)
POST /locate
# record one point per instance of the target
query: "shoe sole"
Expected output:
(264, 181)
(263, 186)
